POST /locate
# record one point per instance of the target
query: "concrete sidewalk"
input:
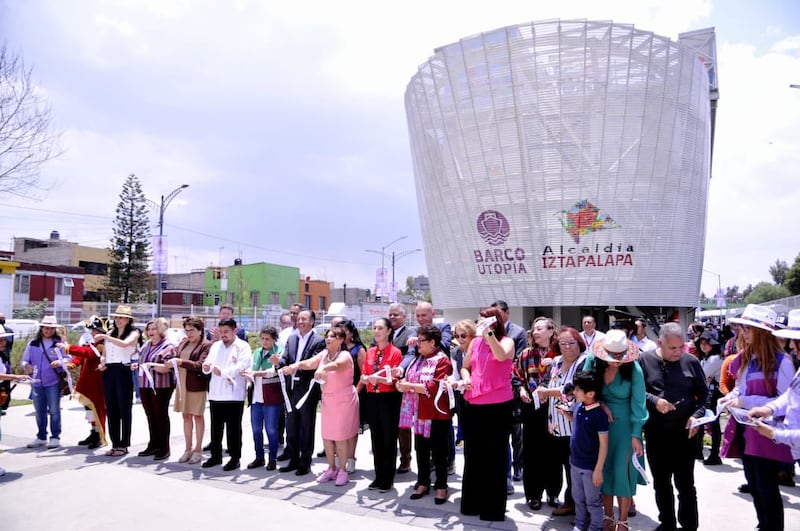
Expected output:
(73, 488)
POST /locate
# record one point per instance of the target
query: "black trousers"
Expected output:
(118, 391)
(300, 428)
(535, 439)
(156, 407)
(762, 474)
(670, 454)
(226, 415)
(438, 444)
(486, 431)
(557, 464)
(383, 417)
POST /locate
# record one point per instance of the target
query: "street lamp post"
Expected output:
(165, 201)
(397, 257)
(382, 252)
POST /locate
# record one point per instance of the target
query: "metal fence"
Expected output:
(252, 319)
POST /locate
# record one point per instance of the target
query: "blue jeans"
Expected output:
(588, 500)
(47, 400)
(264, 417)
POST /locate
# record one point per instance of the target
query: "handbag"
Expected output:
(63, 383)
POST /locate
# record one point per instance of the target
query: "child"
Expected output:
(588, 450)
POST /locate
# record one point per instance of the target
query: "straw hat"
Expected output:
(123, 311)
(615, 348)
(4, 334)
(757, 316)
(792, 330)
(49, 321)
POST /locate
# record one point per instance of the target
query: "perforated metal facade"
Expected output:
(562, 163)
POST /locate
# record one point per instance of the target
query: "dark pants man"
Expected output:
(226, 415)
(300, 427)
(670, 454)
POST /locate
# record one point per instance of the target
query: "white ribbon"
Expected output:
(444, 386)
(286, 400)
(536, 402)
(144, 368)
(308, 393)
(96, 352)
(174, 363)
(387, 370)
(63, 363)
(638, 466)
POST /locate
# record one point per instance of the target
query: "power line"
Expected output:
(192, 231)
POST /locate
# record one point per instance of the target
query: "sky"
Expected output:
(287, 121)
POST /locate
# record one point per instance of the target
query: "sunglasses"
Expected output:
(460, 336)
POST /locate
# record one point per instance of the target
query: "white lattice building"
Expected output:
(563, 164)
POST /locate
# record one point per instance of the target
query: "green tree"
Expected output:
(129, 279)
(793, 277)
(764, 291)
(27, 140)
(778, 272)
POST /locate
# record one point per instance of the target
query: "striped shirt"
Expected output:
(150, 353)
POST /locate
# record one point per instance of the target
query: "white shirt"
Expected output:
(117, 354)
(645, 344)
(284, 336)
(589, 340)
(230, 361)
(301, 344)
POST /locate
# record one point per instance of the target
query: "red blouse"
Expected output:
(376, 360)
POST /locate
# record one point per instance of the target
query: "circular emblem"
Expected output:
(493, 227)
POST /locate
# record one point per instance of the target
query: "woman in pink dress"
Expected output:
(334, 369)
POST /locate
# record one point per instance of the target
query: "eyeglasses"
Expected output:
(460, 336)
(567, 343)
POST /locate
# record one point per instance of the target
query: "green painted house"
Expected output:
(251, 285)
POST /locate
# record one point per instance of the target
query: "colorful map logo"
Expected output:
(584, 218)
(493, 227)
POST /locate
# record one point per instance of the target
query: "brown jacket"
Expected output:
(196, 381)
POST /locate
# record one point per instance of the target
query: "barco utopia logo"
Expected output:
(494, 228)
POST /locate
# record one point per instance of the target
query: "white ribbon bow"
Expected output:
(445, 386)
(308, 393)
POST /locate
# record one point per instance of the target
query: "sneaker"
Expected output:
(37, 443)
(328, 475)
(341, 477)
(509, 488)
(350, 467)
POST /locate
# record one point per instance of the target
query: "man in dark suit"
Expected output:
(399, 338)
(300, 423)
(520, 337)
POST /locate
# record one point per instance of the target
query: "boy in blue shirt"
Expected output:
(588, 450)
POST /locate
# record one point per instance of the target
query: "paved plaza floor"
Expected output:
(74, 488)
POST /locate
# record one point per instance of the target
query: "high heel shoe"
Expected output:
(440, 501)
(417, 494)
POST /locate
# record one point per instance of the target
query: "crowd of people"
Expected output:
(602, 407)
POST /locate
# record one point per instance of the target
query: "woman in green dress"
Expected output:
(613, 363)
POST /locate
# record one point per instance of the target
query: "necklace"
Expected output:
(335, 355)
